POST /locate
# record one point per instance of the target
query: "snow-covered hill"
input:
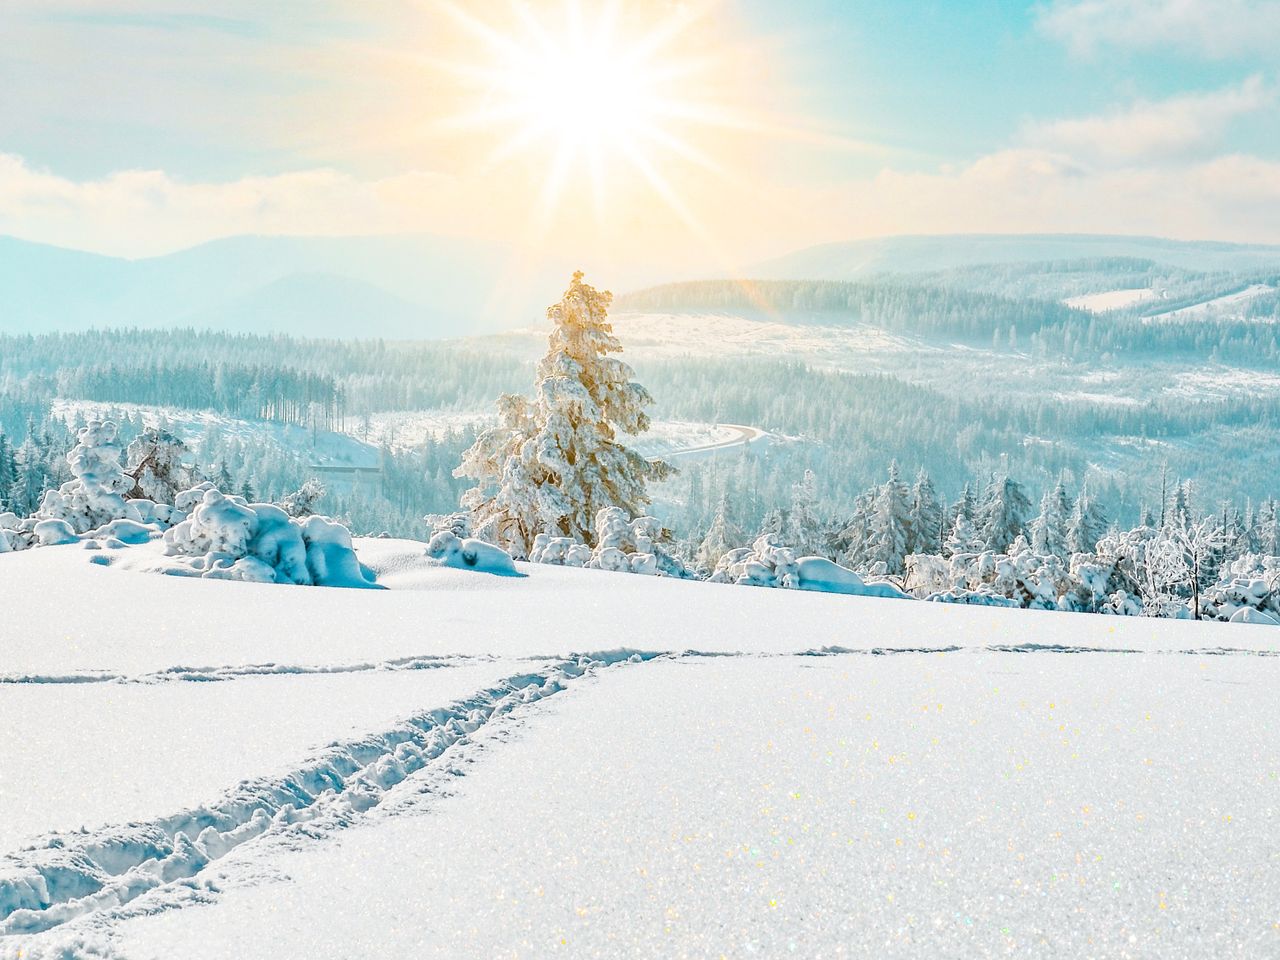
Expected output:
(580, 763)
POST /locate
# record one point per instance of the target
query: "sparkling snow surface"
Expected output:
(582, 763)
(901, 806)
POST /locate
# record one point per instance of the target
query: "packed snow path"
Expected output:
(282, 772)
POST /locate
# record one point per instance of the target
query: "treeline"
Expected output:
(903, 307)
(1043, 328)
(346, 378)
(279, 394)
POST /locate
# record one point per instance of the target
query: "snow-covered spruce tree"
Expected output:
(1049, 529)
(801, 528)
(553, 463)
(890, 517)
(303, 501)
(1001, 516)
(925, 530)
(720, 539)
(1086, 525)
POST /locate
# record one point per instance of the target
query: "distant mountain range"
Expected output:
(414, 287)
(429, 287)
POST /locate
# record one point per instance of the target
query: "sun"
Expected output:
(593, 94)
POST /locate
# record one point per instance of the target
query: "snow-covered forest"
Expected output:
(940, 497)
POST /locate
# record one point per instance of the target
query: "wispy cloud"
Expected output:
(1154, 130)
(1212, 29)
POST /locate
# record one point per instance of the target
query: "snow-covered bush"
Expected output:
(53, 533)
(453, 551)
(768, 564)
(459, 524)
(96, 495)
(160, 466)
(623, 545)
(559, 551)
(1242, 600)
(1021, 577)
(302, 502)
(226, 538)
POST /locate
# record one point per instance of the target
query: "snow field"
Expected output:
(944, 804)
(731, 770)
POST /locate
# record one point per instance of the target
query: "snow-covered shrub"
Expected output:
(637, 546)
(452, 551)
(559, 551)
(768, 564)
(459, 524)
(226, 538)
(1022, 577)
(302, 502)
(623, 545)
(96, 495)
(160, 466)
(1243, 598)
(826, 576)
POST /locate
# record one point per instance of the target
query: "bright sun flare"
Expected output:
(592, 96)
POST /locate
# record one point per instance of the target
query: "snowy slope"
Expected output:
(609, 765)
(1110, 300)
(1227, 305)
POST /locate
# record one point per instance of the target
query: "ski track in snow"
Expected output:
(209, 674)
(96, 874)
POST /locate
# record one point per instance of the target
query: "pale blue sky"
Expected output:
(138, 126)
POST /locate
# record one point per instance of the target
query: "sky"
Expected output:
(668, 135)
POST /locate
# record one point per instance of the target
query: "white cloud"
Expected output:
(1025, 190)
(145, 212)
(1212, 29)
(1154, 129)
(1035, 191)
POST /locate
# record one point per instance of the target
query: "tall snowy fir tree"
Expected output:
(1049, 528)
(1002, 513)
(890, 519)
(554, 462)
(1087, 524)
(925, 530)
(802, 527)
(722, 537)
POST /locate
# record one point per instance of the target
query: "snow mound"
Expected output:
(450, 550)
(821, 574)
(53, 533)
(229, 539)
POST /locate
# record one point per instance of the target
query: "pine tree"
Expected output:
(1087, 524)
(925, 528)
(890, 519)
(801, 526)
(1001, 516)
(554, 462)
(722, 537)
(1049, 529)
